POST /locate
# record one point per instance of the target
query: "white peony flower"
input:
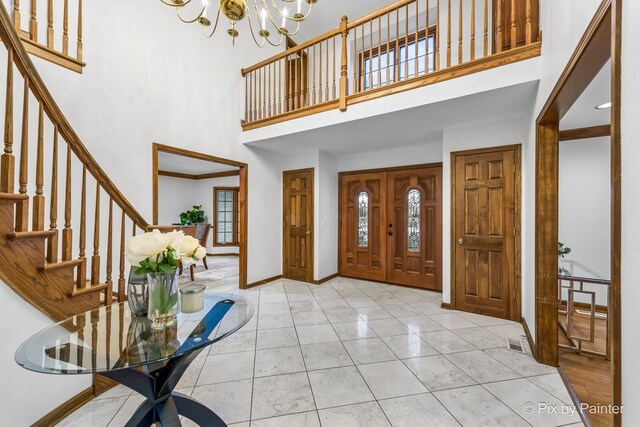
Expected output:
(200, 253)
(185, 248)
(147, 245)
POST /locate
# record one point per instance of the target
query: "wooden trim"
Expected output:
(40, 91)
(292, 115)
(51, 55)
(527, 332)
(325, 279)
(493, 61)
(218, 175)
(496, 60)
(243, 193)
(264, 281)
(585, 133)
(311, 254)
(70, 406)
(161, 148)
(516, 309)
(592, 53)
(199, 177)
(446, 306)
(574, 397)
(391, 169)
(176, 175)
(615, 325)
(235, 213)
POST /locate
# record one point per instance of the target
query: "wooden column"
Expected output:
(33, 23)
(16, 15)
(79, 53)
(81, 281)
(529, 30)
(65, 28)
(50, 37)
(344, 83)
(95, 259)
(22, 208)
(52, 243)
(547, 157)
(67, 233)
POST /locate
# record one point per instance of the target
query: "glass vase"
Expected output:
(163, 299)
(138, 293)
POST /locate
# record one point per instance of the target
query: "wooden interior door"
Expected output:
(363, 213)
(414, 229)
(485, 206)
(504, 8)
(298, 225)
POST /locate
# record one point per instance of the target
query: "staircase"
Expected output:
(55, 200)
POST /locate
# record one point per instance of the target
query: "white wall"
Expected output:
(630, 209)
(26, 396)
(562, 25)
(585, 206)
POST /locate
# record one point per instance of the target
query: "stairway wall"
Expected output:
(27, 396)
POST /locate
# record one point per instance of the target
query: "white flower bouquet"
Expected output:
(158, 255)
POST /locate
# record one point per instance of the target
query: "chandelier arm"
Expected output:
(305, 16)
(215, 26)
(253, 35)
(188, 21)
(278, 27)
(186, 2)
(267, 39)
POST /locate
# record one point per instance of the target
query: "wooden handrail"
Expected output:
(306, 73)
(291, 51)
(38, 88)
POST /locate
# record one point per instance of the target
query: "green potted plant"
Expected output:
(193, 216)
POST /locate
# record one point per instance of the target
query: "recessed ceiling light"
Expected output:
(603, 106)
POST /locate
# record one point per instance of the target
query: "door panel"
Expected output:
(484, 232)
(298, 225)
(397, 250)
(415, 227)
(359, 256)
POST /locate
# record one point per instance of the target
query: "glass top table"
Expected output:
(111, 342)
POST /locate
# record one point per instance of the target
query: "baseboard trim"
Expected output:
(229, 254)
(446, 306)
(527, 332)
(264, 282)
(67, 408)
(326, 279)
(574, 398)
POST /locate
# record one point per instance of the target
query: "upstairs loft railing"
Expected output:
(62, 191)
(60, 41)
(406, 45)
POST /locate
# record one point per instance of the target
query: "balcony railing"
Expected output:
(406, 45)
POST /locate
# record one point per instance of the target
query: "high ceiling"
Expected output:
(583, 113)
(174, 163)
(326, 15)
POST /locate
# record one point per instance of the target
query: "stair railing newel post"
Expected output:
(344, 81)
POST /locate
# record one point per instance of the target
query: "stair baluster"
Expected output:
(82, 268)
(95, 259)
(108, 292)
(52, 244)
(38, 199)
(22, 208)
(67, 233)
(121, 279)
(7, 175)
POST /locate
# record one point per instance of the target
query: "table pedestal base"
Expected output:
(163, 405)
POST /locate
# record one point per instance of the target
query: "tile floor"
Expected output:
(356, 353)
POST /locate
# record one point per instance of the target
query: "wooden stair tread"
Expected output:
(89, 289)
(13, 197)
(31, 235)
(51, 266)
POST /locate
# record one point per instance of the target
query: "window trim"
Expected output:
(393, 44)
(236, 217)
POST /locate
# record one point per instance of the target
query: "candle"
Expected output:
(263, 14)
(284, 18)
(192, 298)
(299, 6)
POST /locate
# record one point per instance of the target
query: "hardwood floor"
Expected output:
(592, 380)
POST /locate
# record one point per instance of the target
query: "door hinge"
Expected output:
(515, 231)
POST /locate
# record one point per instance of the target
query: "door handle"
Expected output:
(461, 241)
(308, 232)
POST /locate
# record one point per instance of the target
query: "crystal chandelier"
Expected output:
(283, 17)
